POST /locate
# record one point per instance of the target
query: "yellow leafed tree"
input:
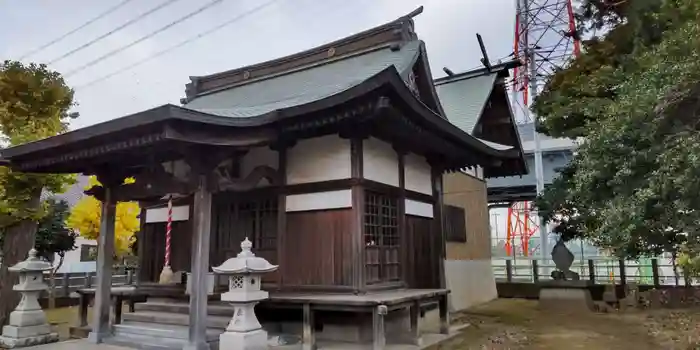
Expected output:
(85, 218)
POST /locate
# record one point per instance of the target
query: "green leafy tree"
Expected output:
(53, 239)
(52, 236)
(632, 187)
(34, 104)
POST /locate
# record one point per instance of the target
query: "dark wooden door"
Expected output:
(236, 216)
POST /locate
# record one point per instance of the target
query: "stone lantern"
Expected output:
(28, 325)
(245, 272)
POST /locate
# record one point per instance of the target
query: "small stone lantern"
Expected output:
(28, 325)
(244, 271)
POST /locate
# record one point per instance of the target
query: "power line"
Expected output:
(91, 21)
(144, 38)
(113, 31)
(181, 44)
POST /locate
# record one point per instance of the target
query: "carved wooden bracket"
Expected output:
(227, 183)
(150, 183)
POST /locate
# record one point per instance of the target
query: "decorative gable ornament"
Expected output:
(412, 85)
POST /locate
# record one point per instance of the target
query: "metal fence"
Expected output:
(601, 270)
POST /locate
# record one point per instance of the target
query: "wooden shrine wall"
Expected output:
(152, 258)
(422, 253)
(318, 249)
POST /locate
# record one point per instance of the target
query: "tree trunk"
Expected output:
(675, 268)
(17, 241)
(52, 282)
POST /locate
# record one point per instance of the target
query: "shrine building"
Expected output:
(336, 163)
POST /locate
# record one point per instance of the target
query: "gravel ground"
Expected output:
(518, 324)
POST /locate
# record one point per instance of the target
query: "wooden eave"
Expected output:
(164, 129)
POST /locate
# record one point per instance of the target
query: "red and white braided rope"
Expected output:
(168, 230)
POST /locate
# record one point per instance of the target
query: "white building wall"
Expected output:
(471, 282)
(319, 201)
(72, 263)
(417, 208)
(319, 159)
(417, 173)
(380, 162)
(256, 157)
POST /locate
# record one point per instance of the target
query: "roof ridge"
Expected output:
(296, 69)
(394, 33)
(501, 69)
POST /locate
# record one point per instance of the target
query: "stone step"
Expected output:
(166, 331)
(144, 342)
(166, 318)
(183, 308)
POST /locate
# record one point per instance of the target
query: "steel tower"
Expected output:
(546, 39)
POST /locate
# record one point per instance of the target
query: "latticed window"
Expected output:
(261, 216)
(236, 219)
(382, 241)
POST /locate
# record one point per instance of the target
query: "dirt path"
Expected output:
(518, 324)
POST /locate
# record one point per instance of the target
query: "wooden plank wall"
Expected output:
(468, 192)
(233, 221)
(318, 249)
(422, 262)
(152, 259)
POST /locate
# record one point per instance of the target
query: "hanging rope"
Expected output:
(166, 276)
(168, 230)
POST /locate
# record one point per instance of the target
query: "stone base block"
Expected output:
(25, 332)
(255, 340)
(566, 299)
(27, 318)
(11, 343)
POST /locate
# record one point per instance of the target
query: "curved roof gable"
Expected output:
(306, 85)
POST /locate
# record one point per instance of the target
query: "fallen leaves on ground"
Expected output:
(519, 325)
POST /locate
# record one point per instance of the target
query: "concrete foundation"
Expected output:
(563, 297)
(470, 282)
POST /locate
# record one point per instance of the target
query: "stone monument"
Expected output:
(566, 291)
(563, 258)
(28, 325)
(244, 332)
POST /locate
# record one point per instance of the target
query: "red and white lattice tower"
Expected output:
(546, 39)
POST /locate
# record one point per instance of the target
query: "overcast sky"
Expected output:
(286, 26)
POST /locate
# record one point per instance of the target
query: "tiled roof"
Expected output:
(306, 85)
(463, 100)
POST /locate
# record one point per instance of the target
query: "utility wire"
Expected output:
(113, 31)
(144, 38)
(181, 44)
(91, 21)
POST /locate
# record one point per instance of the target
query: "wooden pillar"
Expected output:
(197, 339)
(436, 172)
(105, 253)
(281, 213)
(308, 329)
(358, 208)
(141, 245)
(403, 234)
(378, 328)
